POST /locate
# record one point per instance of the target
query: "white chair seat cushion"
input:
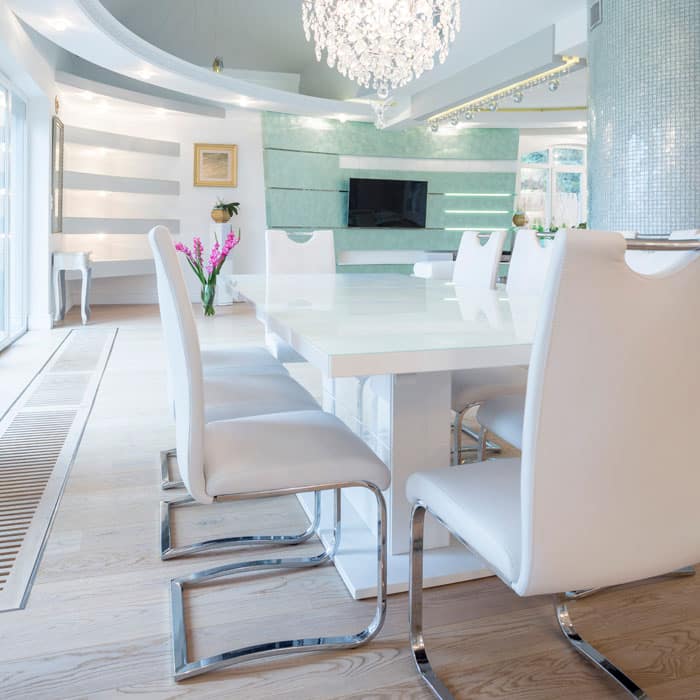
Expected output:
(479, 502)
(504, 417)
(238, 395)
(255, 360)
(286, 450)
(478, 385)
(434, 269)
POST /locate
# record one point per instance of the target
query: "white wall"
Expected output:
(32, 75)
(192, 207)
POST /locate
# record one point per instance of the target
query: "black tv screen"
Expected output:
(387, 203)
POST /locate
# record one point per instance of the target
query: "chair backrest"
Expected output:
(476, 265)
(285, 256)
(659, 262)
(608, 483)
(184, 361)
(529, 263)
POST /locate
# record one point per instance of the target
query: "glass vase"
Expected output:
(208, 294)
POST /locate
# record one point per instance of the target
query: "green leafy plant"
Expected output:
(230, 207)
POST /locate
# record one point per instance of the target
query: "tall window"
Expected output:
(13, 262)
(553, 186)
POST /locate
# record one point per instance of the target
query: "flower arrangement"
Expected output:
(208, 272)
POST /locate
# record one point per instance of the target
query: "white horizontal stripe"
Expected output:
(437, 165)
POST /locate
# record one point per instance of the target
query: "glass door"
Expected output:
(13, 263)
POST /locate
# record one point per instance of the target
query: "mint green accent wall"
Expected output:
(310, 134)
(307, 189)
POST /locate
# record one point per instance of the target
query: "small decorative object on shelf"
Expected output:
(208, 272)
(520, 219)
(222, 211)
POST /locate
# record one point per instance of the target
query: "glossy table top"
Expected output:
(363, 324)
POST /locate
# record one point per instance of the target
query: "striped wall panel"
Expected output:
(79, 225)
(105, 139)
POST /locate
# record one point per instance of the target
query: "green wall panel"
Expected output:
(395, 239)
(306, 189)
(298, 208)
(312, 134)
(440, 183)
(306, 171)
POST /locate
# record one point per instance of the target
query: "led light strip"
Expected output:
(489, 102)
(477, 211)
(479, 194)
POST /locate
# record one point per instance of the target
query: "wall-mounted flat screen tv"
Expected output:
(387, 203)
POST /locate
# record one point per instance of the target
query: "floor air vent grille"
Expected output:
(39, 437)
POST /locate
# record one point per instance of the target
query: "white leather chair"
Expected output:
(660, 262)
(504, 415)
(526, 274)
(443, 269)
(590, 503)
(226, 394)
(285, 256)
(253, 457)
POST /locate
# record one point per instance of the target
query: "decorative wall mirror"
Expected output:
(56, 175)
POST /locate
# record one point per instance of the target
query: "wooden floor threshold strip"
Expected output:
(39, 438)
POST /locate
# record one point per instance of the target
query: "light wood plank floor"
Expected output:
(97, 622)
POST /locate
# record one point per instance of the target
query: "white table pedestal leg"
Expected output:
(406, 421)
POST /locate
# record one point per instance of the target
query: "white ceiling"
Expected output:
(171, 44)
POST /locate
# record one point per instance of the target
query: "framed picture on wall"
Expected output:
(215, 165)
(56, 175)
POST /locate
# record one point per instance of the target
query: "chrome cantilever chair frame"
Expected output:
(187, 669)
(167, 551)
(415, 614)
(165, 482)
(482, 444)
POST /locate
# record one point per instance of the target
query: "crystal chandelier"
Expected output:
(381, 44)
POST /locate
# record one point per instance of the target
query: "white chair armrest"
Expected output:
(434, 269)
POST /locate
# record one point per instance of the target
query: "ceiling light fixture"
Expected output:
(381, 44)
(490, 101)
(145, 74)
(60, 24)
(218, 65)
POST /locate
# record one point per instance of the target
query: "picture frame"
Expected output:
(215, 165)
(57, 147)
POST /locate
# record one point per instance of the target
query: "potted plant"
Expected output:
(223, 211)
(520, 219)
(208, 272)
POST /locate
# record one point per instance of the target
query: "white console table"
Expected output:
(71, 261)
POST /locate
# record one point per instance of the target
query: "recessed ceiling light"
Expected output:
(342, 118)
(244, 101)
(145, 74)
(59, 24)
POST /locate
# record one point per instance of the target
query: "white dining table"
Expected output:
(386, 345)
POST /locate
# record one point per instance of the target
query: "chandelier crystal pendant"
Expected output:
(381, 44)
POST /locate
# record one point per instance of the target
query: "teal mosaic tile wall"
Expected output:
(307, 189)
(644, 141)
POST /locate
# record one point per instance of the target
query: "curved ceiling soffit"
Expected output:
(126, 53)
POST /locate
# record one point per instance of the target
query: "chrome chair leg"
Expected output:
(457, 436)
(585, 592)
(481, 449)
(187, 669)
(415, 606)
(458, 428)
(591, 653)
(167, 551)
(165, 482)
